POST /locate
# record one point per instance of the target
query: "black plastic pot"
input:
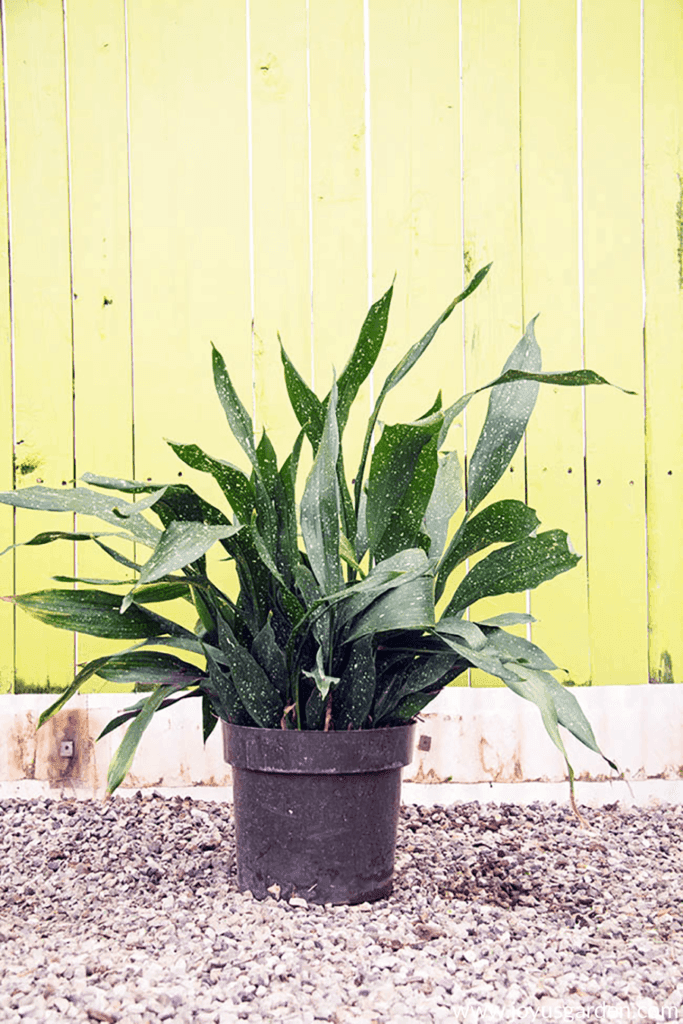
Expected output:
(316, 813)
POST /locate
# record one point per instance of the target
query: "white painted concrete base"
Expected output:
(472, 744)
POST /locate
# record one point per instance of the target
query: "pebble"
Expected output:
(127, 912)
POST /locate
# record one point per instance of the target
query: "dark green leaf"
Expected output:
(256, 692)
(400, 484)
(364, 356)
(123, 758)
(224, 696)
(353, 699)
(237, 416)
(150, 667)
(567, 378)
(445, 499)
(510, 406)
(403, 367)
(85, 673)
(209, 719)
(520, 566)
(236, 487)
(179, 546)
(308, 408)
(468, 631)
(319, 510)
(409, 606)
(503, 522)
(96, 613)
(271, 658)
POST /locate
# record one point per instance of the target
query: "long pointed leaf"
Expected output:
(308, 409)
(504, 521)
(123, 758)
(445, 499)
(364, 356)
(319, 511)
(237, 416)
(96, 613)
(404, 366)
(356, 691)
(234, 484)
(518, 567)
(510, 406)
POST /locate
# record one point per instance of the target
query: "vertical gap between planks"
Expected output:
(310, 187)
(527, 593)
(250, 162)
(652, 669)
(69, 200)
(10, 294)
(368, 171)
(581, 289)
(463, 275)
(131, 297)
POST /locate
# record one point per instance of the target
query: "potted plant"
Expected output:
(331, 648)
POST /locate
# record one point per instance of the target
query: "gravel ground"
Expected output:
(128, 912)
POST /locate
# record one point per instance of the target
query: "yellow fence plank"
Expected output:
(6, 411)
(614, 342)
(663, 137)
(189, 180)
(96, 55)
(550, 205)
(280, 183)
(491, 204)
(190, 233)
(42, 312)
(338, 197)
(416, 224)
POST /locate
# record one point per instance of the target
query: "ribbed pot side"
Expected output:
(316, 813)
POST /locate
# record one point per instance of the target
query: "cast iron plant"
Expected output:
(335, 622)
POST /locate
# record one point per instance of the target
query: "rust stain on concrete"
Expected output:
(79, 769)
(22, 747)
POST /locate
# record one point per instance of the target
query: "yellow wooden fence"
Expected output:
(176, 170)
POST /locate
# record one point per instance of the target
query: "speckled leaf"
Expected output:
(234, 484)
(319, 511)
(111, 510)
(402, 474)
(403, 367)
(179, 546)
(517, 567)
(308, 408)
(409, 606)
(468, 631)
(236, 415)
(516, 649)
(96, 613)
(364, 355)
(353, 699)
(150, 667)
(510, 406)
(271, 659)
(504, 521)
(446, 497)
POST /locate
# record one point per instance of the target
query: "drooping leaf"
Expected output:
(234, 484)
(504, 521)
(403, 367)
(510, 406)
(96, 613)
(567, 378)
(123, 758)
(150, 667)
(353, 698)
(400, 484)
(517, 567)
(135, 710)
(507, 619)
(511, 648)
(209, 719)
(319, 512)
(445, 499)
(469, 632)
(179, 546)
(115, 511)
(87, 672)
